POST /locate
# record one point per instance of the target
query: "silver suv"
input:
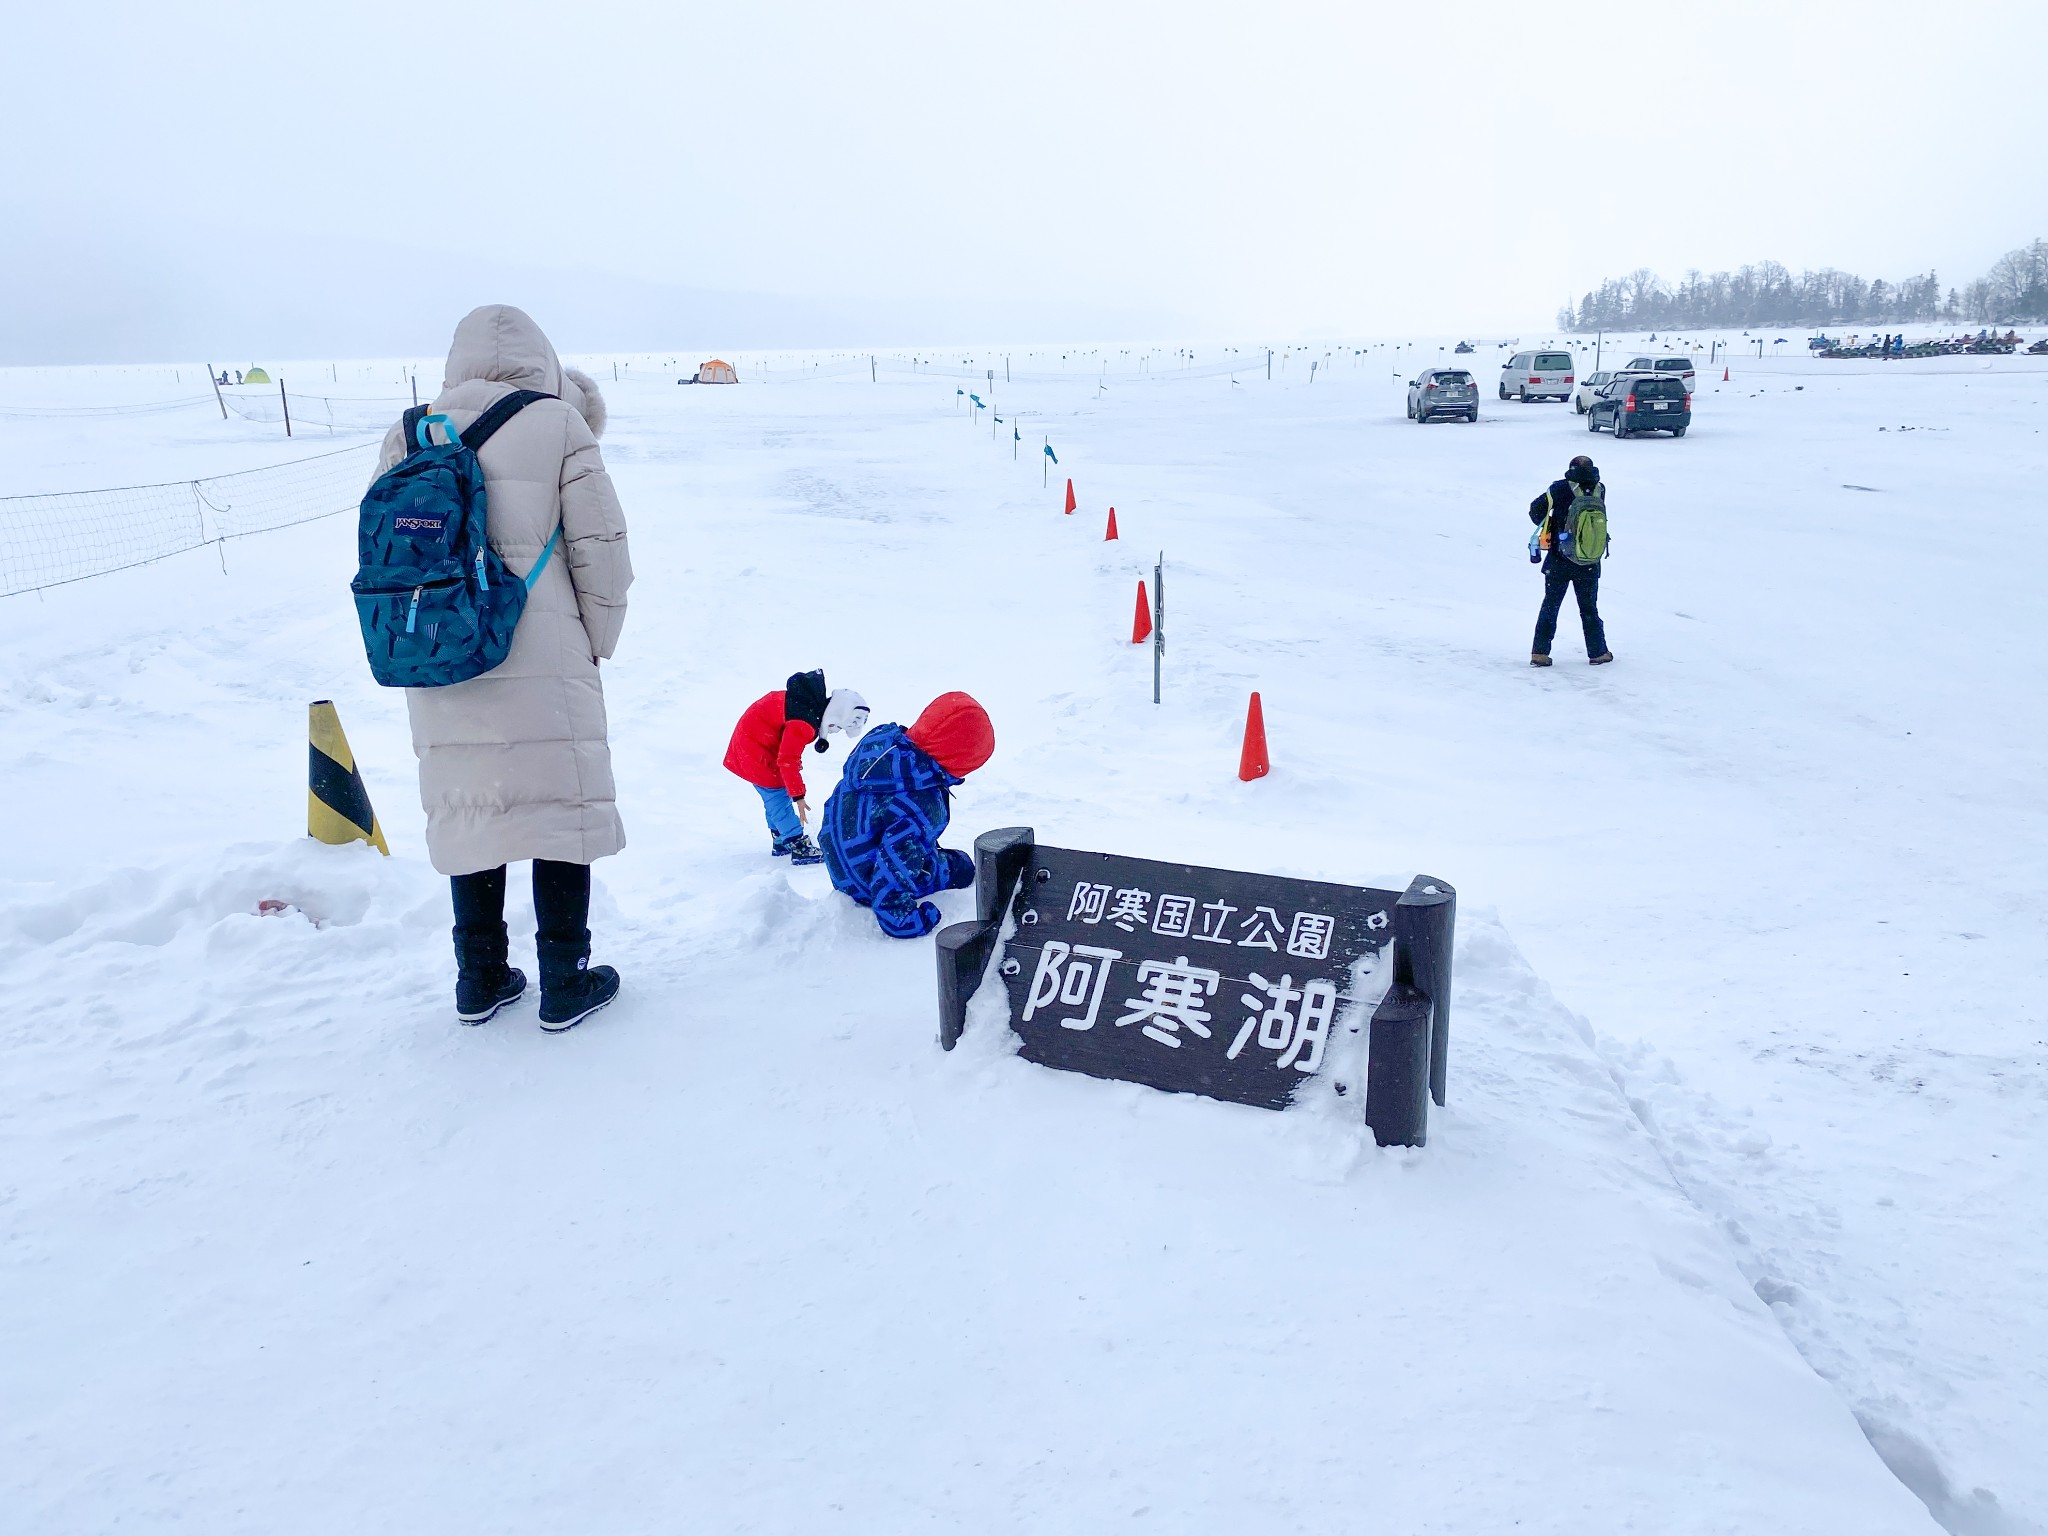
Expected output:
(1443, 392)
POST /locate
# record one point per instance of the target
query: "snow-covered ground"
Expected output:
(1733, 1222)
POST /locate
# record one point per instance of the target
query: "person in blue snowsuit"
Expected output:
(881, 828)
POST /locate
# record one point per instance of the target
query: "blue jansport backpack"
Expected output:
(436, 603)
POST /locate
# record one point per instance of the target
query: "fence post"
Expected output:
(286, 404)
(216, 392)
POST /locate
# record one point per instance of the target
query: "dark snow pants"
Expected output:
(561, 900)
(1560, 574)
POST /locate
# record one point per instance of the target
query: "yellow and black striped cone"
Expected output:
(337, 805)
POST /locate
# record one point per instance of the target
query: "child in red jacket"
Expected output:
(767, 750)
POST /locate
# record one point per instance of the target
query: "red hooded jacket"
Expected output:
(767, 748)
(954, 732)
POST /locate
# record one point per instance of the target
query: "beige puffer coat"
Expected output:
(515, 764)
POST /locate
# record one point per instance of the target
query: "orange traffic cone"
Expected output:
(1112, 526)
(1070, 498)
(1724, 373)
(1141, 622)
(1252, 762)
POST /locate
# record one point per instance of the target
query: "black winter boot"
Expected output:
(484, 983)
(571, 988)
(798, 850)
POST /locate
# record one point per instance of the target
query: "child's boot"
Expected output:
(799, 850)
(571, 988)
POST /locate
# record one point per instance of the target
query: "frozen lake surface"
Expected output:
(1734, 1219)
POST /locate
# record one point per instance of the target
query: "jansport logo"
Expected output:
(418, 524)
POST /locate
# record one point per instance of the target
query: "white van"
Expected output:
(1682, 366)
(1537, 376)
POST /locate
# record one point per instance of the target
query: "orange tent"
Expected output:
(716, 372)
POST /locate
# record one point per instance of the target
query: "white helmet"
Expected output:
(846, 711)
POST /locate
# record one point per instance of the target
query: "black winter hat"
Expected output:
(1583, 471)
(803, 698)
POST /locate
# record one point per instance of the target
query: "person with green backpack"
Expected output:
(1571, 524)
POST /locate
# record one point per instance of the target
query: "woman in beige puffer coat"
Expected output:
(515, 764)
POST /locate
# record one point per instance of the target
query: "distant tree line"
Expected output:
(2015, 289)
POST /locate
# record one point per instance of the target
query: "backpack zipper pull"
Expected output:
(483, 582)
(413, 613)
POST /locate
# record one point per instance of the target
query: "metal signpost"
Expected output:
(1158, 621)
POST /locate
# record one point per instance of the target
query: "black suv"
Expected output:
(1634, 402)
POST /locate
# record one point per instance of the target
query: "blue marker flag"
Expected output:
(1050, 454)
(979, 401)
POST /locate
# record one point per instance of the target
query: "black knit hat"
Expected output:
(1583, 471)
(803, 698)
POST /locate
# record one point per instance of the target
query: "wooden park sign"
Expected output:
(1207, 981)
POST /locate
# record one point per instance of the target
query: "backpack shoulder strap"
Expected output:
(411, 424)
(479, 432)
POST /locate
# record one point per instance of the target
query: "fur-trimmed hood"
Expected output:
(501, 343)
(581, 391)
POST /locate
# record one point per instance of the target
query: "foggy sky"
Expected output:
(221, 180)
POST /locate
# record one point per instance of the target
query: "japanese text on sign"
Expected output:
(1210, 981)
(1306, 937)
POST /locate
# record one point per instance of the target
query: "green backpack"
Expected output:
(1584, 538)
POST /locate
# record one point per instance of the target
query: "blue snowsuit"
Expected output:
(880, 833)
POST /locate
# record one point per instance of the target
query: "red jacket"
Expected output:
(767, 749)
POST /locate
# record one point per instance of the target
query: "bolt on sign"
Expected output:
(1188, 979)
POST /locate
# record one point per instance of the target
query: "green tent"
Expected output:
(255, 376)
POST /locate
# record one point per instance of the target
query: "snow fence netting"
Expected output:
(65, 536)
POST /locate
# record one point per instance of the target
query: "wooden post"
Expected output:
(415, 388)
(286, 404)
(214, 379)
